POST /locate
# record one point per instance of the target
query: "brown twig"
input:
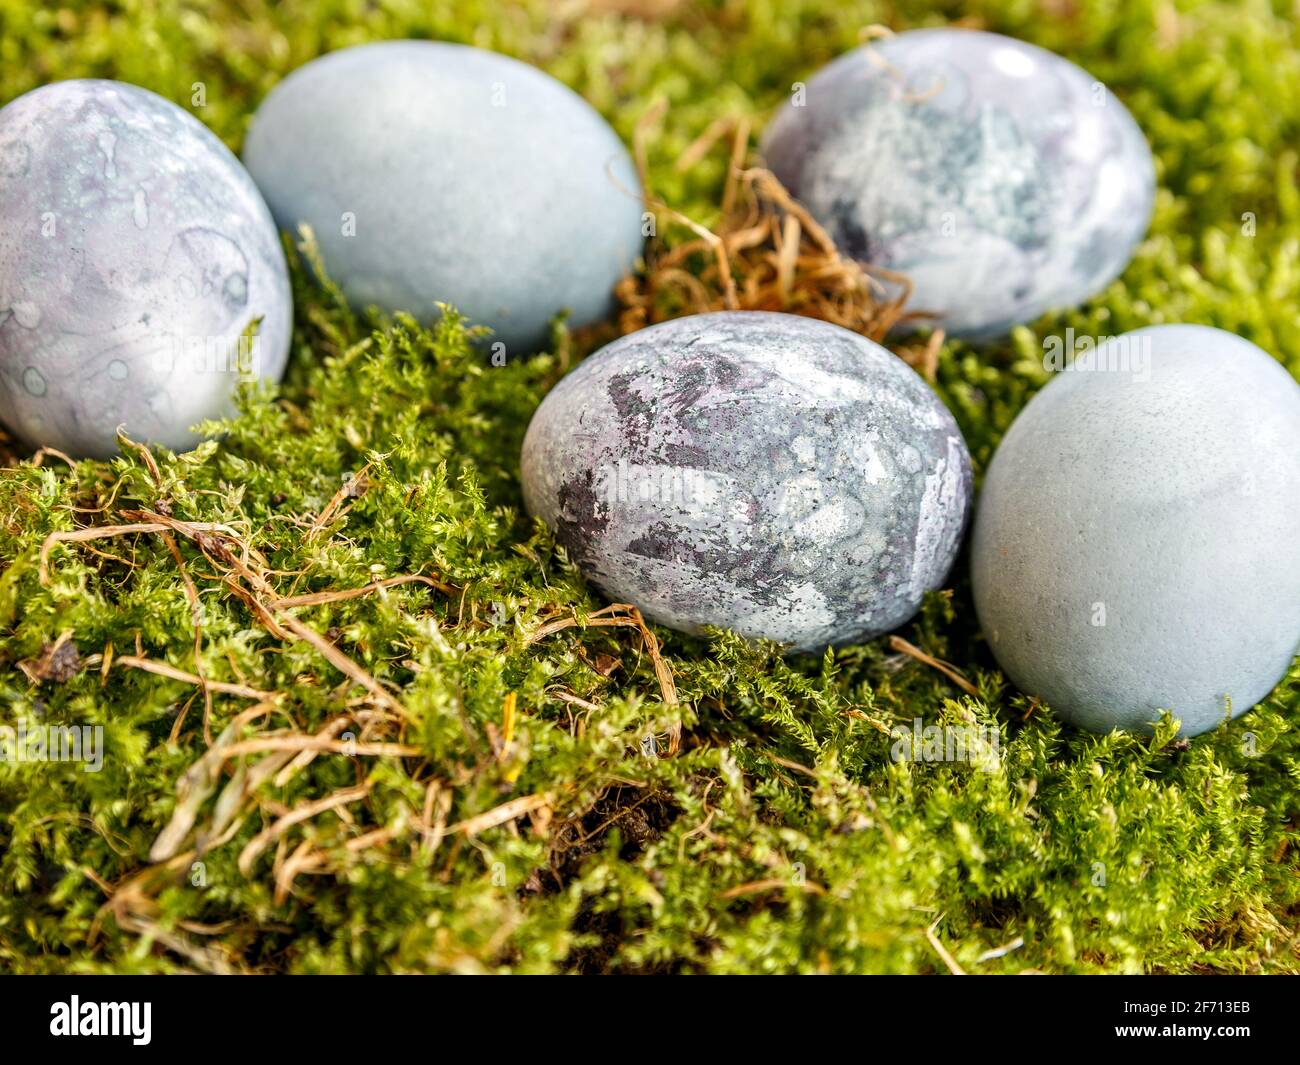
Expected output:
(941, 950)
(354, 487)
(162, 669)
(507, 811)
(298, 814)
(627, 615)
(950, 671)
(773, 884)
(341, 595)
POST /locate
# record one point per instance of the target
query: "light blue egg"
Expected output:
(134, 253)
(1001, 179)
(437, 172)
(1137, 542)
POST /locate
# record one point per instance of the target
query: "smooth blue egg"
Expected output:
(435, 172)
(1137, 542)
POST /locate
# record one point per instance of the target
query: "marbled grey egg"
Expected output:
(436, 172)
(1137, 543)
(770, 474)
(1001, 179)
(134, 253)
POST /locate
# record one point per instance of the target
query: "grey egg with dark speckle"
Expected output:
(1003, 180)
(774, 475)
(1137, 542)
(135, 252)
(434, 172)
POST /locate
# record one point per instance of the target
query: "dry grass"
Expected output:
(766, 253)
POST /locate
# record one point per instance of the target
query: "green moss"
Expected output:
(781, 836)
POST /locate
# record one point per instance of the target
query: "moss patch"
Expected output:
(436, 774)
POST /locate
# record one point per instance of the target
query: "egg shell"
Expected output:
(438, 172)
(1137, 542)
(134, 252)
(1003, 180)
(766, 473)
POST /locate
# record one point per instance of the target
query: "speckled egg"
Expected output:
(770, 474)
(437, 172)
(1001, 179)
(134, 253)
(1137, 543)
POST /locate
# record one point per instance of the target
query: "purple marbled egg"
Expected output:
(1003, 180)
(766, 473)
(135, 251)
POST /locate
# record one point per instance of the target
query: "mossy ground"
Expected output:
(482, 799)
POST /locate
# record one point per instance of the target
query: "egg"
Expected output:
(1001, 179)
(1137, 542)
(437, 172)
(774, 475)
(134, 253)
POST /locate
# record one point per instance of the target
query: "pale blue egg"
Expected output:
(1137, 543)
(435, 172)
